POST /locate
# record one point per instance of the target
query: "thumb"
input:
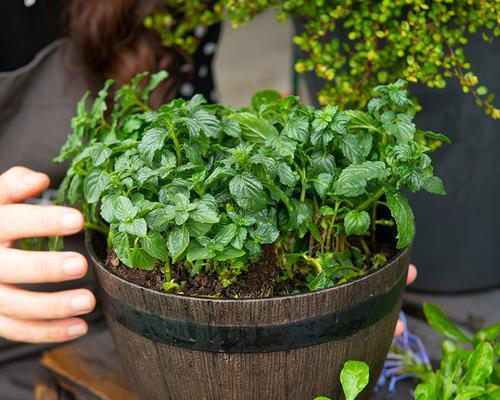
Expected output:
(19, 183)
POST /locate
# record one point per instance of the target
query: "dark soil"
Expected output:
(261, 280)
(149, 279)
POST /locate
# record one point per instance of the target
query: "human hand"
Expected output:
(412, 275)
(29, 316)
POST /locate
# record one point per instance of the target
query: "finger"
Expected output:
(42, 331)
(6, 243)
(19, 183)
(19, 221)
(400, 328)
(17, 266)
(23, 304)
(412, 274)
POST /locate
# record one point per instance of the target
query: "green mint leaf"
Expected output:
(177, 243)
(99, 153)
(340, 123)
(142, 260)
(434, 185)
(321, 162)
(192, 125)
(153, 82)
(95, 184)
(107, 209)
(254, 249)
(75, 189)
(123, 209)
(403, 215)
(297, 129)
(253, 128)
(121, 245)
(356, 147)
(224, 235)
(441, 323)
(230, 127)
(322, 118)
(205, 212)
(320, 281)
(322, 184)
(282, 145)
(399, 125)
(181, 201)
(356, 222)
(353, 179)
(154, 244)
(265, 97)
(437, 136)
(326, 211)
(181, 217)
(197, 252)
(361, 121)
(286, 176)
(159, 218)
(265, 233)
(136, 227)
(230, 253)
(322, 138)
(354, 378)
(239, 237)
(152, 141)
(248, 192)
(375, 104)
(197, 228)
(209, 123)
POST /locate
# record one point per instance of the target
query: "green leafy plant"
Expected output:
(354, 377)
(204, 188)
(374, 42)
(469, 367)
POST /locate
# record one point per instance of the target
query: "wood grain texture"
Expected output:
(164, 372)
(89, 365)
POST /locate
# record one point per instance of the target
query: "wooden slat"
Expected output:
(93, 365)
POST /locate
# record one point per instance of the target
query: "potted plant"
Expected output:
(247, 253)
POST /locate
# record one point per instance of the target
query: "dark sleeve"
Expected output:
(24, 30)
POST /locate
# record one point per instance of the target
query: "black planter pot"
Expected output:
(456, 248)
(282, 348)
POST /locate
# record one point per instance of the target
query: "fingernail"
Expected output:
(81, 303)
(33, 179)
(73, 266)
(71, 221)
(75, 331)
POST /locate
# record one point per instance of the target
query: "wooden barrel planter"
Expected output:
(282, 348)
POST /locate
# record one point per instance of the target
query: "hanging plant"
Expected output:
(420, 41)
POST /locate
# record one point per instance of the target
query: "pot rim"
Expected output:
(90, 235)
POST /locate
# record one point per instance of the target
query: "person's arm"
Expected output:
(29, 316)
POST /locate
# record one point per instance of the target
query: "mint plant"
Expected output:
(204, 187)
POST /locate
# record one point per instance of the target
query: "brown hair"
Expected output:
(112, 42)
